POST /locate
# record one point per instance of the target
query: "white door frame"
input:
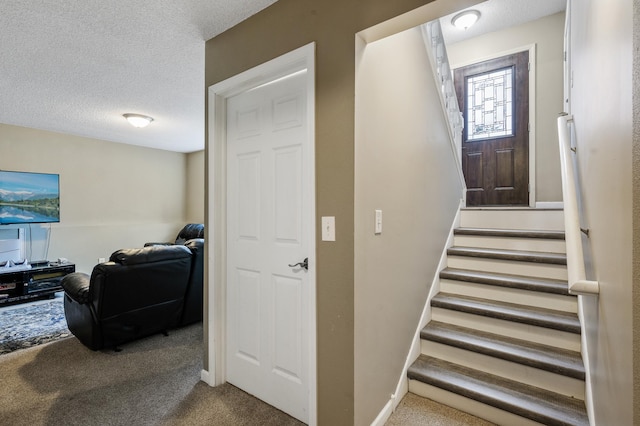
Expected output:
(216, 199)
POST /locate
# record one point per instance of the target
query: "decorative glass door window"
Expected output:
(490, 105)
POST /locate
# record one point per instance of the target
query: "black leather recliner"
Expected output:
(137, 293)
(193, 299)
(189, 232)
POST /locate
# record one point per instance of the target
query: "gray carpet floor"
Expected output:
(153, 381)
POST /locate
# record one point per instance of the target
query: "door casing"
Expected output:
(214, 372)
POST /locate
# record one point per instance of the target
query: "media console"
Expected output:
(38, 281)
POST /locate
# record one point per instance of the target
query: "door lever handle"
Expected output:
(304, 264)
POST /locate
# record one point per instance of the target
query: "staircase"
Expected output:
(503, 342)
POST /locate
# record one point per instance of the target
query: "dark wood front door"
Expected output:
(494, 98)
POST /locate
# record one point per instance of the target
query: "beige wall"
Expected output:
(636, 214)
(548, 35)
(404, 165)
(112, 195)
(332, 24)
(601, 103)
(195, 187)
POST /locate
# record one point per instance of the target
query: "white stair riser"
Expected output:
(511, 243)
(540, 270)
(467, 405)
(546, 336)
(549, 220)
(507, 369)
(511, 295)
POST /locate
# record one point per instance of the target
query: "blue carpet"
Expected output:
(32, 324)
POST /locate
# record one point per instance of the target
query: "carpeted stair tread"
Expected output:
(511, 233)
(527, 401)
(515, 255)
(541, 317)
(545, 285)
(550, 358)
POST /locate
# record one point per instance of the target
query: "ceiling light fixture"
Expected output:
(466, 19)
(138, 120)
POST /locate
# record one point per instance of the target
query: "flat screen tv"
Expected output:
(29, 197)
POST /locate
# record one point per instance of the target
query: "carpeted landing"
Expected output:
(414, 410)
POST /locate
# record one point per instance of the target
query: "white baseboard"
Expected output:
(549, 205)
(386, 412)
(584, 350)
(206, 377)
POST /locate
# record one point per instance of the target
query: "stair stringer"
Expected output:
(584, 351)
(402, 387)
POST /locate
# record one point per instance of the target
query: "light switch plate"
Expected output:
(328, 228)
(378, 222)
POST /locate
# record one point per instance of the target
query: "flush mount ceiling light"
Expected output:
(138, 120)
(464, 20)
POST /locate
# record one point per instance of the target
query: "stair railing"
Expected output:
(437, 53)
(578, 283)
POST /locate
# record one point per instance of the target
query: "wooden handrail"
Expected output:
(578, 283)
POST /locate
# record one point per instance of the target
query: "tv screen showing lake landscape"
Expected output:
(29, 197)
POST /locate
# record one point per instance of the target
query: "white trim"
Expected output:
(586, 361)
(386, 412)
(550, 205)
(532, 125)
(206, 377)
(531, 48)
(215, 269)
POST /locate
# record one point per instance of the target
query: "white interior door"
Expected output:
(268, 229)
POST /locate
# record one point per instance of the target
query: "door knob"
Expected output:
(304, 264)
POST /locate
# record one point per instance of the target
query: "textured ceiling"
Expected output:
(499, 14)
(76, 66)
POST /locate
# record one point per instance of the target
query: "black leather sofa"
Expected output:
(138, 292)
